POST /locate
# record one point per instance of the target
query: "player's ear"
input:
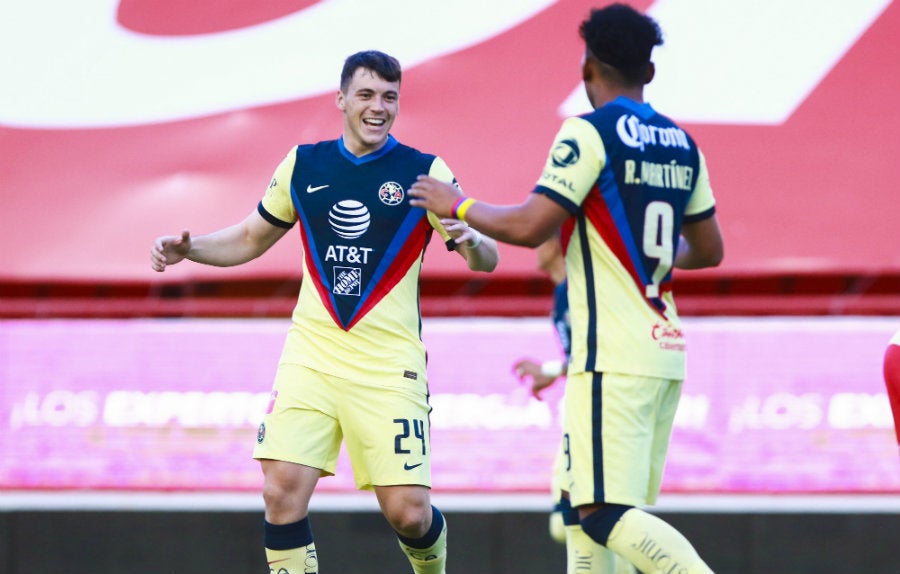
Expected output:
(339, 101)
(651, 71)
(587, 70)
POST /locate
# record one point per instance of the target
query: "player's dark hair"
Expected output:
(387, 67)
(622, 37)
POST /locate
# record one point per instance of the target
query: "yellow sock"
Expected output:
(431, 560)
(557, 527)
(584, 556)
(654, 546)
(301, 560)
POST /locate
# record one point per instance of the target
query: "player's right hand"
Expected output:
(169, 250)
(435, 195)
(529, 369)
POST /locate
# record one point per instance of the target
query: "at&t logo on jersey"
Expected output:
(390, 193)
(349, 219)
(637, 135)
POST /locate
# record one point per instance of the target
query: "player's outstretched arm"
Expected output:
(529, 223)
(230, 246)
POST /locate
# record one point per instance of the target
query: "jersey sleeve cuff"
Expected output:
(559, 198)
(271, 218)
(694, 218)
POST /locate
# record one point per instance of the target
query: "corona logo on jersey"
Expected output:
(635, 134)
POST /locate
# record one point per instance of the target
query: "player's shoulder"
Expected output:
(414, 152)
(323, 146)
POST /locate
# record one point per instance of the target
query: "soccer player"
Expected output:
(583, 553)
(630, 190)
(892, 379)
(353, 364)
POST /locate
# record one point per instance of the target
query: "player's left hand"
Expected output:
(434, 195)
(461, 232)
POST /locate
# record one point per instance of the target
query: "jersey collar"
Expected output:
(390, 144)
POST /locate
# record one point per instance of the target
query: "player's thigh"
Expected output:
(616, 428)
(387, 434)
(301, 425)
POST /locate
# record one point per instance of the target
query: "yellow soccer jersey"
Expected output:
(630, 178)
(357, 315)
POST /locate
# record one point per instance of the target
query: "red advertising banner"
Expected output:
(122, 121)
(769, 406)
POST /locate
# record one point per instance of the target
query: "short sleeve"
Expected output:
(277, 200)
(440, 170)
(573, 164)
(702, 203)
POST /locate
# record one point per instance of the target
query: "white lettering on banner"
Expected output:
(64, 408)
(778, 411)
(693, 412)
(185, 409)
(493, 411)
(57, 408)
(714, 69)
(859, 410)
(78, 68)
(783, 411)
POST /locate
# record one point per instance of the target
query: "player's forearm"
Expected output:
(484, 256)
(509, 224)
(224, 248)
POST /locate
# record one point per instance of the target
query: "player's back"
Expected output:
(621, 246)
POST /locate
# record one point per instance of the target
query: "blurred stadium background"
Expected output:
(129, 398)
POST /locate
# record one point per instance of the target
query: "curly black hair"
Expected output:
(622, 37)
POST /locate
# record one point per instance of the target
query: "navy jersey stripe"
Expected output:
(590, 295)
(597, 435)
(562, 200)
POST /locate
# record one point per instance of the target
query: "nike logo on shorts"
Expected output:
(311, 189)
(407, 466)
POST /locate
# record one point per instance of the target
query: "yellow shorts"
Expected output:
(386, 429)
(617, 430)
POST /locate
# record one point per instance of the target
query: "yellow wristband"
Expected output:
(463, 208)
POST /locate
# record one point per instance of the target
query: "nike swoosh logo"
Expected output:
(311, 189)
(407, 466)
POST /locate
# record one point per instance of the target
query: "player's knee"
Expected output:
(409, 520)
(283, 496)
(409, 516)
(600, 523)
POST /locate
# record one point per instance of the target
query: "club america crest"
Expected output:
(390, 193)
